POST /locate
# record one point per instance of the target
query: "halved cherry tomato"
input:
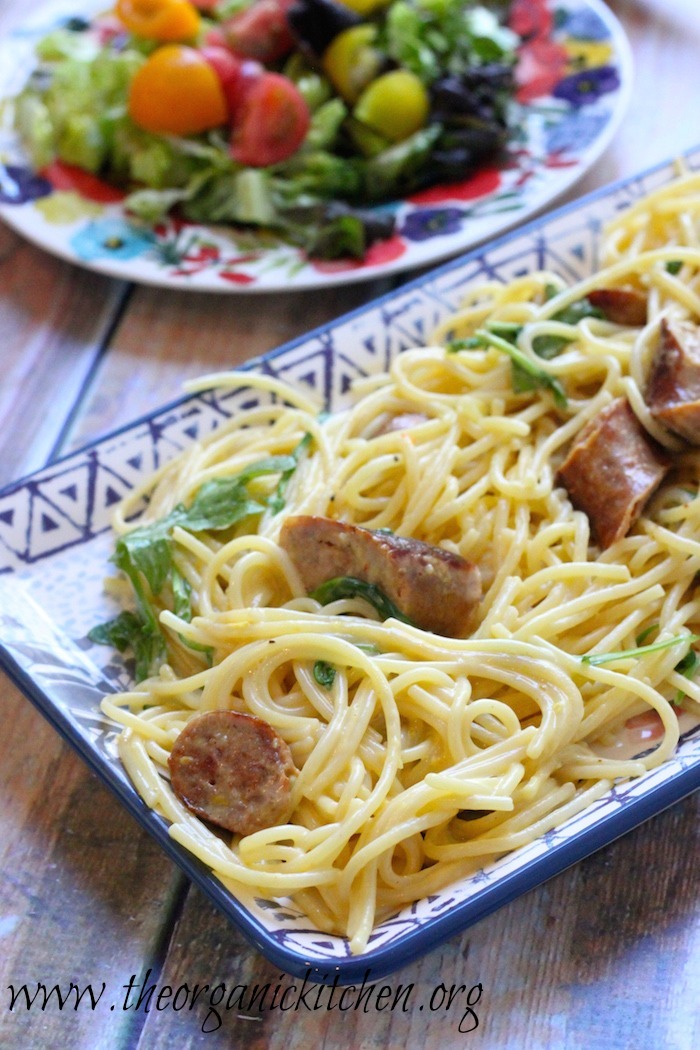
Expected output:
(177, 92)
(236, 74)
(164, 20)
(260, 31)
(271, 122)
(395, 104)
(351, 60)
(365, 7)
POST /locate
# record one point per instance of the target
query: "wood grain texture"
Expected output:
(53, 320)
(604, 957)
(166, 338)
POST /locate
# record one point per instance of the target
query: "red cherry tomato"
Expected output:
(225, 64)
(261, 31)
(271, 122)
(235, 74)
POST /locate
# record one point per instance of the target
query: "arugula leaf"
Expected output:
(340, 237)
(222, 502)
(334, 230)
(352, 587)
(146, 550)
(688, 667)
(454, 346)
(432, 37)
(145, 556)
(129, 631)
(182, 607)
(548, 346)
(578, 311)
(368, 647)
(118, 633)
(509, 330)
(276, 501)
(646, 633)
(504, 336)
(324, 673)
(526, 375)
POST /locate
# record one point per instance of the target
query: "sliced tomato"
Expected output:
(270, 123)
(235, 74)
(261, 31)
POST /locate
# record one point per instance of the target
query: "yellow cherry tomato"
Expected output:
(168, 21)
(350, 61)
(396, 105)
(177, 92)
(365, 7)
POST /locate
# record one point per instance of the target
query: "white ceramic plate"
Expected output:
(575, 74)
(55, 542)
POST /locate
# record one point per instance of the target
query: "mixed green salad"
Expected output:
(292, 115)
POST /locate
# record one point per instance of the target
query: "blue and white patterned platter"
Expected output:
(574, 77)
(55, 540)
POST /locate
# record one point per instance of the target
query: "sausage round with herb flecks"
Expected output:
(234, 770)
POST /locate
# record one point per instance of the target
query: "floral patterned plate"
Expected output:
(574, 77)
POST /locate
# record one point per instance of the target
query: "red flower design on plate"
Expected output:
(233, 277)
(541, 65)
(68, 178)
(530, 18)
(480, 184)
(376, 255)
(557, 159)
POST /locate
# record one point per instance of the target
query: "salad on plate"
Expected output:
(292, 116)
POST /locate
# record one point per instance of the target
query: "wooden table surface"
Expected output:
(604, 957)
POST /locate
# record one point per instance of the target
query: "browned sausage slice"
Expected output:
(234, 770)
(436, 589)
(625, 306)
(673, 388)
(612, 469)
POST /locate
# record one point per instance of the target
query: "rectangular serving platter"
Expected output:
(55, 542)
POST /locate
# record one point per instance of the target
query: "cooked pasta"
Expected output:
(419, 757)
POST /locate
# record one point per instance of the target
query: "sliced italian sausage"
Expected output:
(625, 306)
(436, 589)
(611, 471)
(673, 387)
(234, 770)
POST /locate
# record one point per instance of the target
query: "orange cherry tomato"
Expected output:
(166, 20)
(177, 92)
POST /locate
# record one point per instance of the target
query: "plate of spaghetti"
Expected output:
(474, 117)
(402, 619)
